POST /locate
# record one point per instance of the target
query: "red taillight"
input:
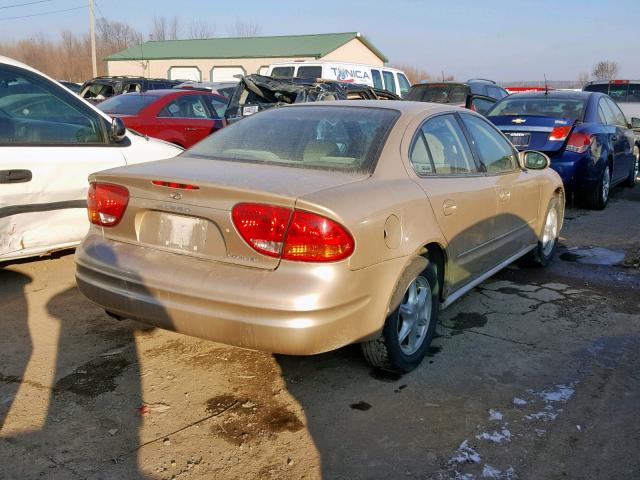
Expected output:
(560, 133)
(106, 203)
(186, 186)
(262, 226)
(292, 234)
(579, 142)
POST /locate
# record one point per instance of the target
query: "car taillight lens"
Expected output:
(106, 203)
(559, 133)
(579, 142)
(262, 226)
(292, 234)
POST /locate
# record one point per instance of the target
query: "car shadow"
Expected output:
(16, 345)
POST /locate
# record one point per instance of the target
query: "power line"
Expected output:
(23, 4)
(43, 13)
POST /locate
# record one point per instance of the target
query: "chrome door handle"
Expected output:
(190, 129)
(449, 207)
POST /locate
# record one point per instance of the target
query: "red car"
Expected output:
(182, 117)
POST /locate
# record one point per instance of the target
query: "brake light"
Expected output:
(579, 142)
(106, 203)
(186, 186)
(560, 133)
(292, 234)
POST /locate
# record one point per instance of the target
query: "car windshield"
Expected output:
(127, 104)
(540, 107)
(620, 92)
(438, 93)
(321, 137)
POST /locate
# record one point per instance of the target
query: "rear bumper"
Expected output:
(297, 309)
(578, 171)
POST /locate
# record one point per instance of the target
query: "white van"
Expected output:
(384, 78)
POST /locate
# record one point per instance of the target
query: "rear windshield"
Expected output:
(540, 107)
(127, 104)
(320, 137)
(620, 92)
(438, 93)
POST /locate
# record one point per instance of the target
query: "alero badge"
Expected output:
(175, 195)
(518, 120)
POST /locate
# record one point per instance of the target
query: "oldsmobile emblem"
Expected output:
(175, 195)
(518, 120)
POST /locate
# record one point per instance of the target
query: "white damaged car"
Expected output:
(50, 141)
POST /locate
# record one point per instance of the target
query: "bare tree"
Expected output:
(201, 29)
(244, 29)
(163, 28)
(583, 78)
(414, 74)
(116, 36)
(605, 70)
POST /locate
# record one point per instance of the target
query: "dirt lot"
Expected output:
(534, 375)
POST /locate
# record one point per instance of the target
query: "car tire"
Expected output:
(598, 198)
(548, 239)
(633, 174)
(411, 322)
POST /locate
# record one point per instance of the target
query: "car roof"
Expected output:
(575, 95)
(403, 106)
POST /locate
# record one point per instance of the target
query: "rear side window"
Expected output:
(187, 106)
(496, 92)
(439, 93)
(310, 73)
(98, 91)
(377, 79)
(217, 106)
(634, 92)
(618, 117)
(316, 137)
(404, 84)
(126, 104)
(282, 72)
(440, 147)
(496, 153)
(389, 81)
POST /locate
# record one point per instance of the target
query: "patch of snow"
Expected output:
(519, 401)
(489, 472)
(465, 476)
(465, 454)
(495, 415)
(542, 416)
(579, 428)
(561, 393)
(503, 435)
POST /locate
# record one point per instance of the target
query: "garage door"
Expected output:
(226, 74)
(185, 73)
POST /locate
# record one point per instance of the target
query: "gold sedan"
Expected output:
(305, 228)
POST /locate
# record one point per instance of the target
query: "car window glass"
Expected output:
(187, 106)
(440, 147)
(597, 87)
(618, 91)
(602, 116)
(282, 72)
(404, 84)
(309, 72)
(634, 92)
(217, 105)
(377, 79)
(619, 118)
(481, 105)
(540, 107)
(98, 91)
(131, 87)
(495, 151)
(389, 81)
(35, 111)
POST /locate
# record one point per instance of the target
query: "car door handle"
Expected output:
(190, 129)
(449, 207)
(504, 195)
(15, 176)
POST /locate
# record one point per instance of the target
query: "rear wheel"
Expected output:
(409, 327)
(597, 198)
(633, 174)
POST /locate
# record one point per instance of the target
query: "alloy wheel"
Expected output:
(414, 316)
(550, 232)
(606, 184)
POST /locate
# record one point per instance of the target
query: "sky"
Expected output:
(497, 39)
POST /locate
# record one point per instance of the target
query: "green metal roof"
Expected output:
(243, 47)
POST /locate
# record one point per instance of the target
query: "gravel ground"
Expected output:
(534, 374)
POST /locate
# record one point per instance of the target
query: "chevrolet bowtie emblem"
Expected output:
(518, 120)
(175, 195)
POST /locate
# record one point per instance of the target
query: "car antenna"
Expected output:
(443, 75)
(546, 86)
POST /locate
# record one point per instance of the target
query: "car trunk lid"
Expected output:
(188, 210)
(545, 134)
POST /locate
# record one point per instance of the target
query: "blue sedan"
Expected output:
(585, 134)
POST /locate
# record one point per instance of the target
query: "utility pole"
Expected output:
(92, 34)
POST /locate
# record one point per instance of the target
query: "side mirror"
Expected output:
(534, 160)
(118, 130)
(635, 123)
